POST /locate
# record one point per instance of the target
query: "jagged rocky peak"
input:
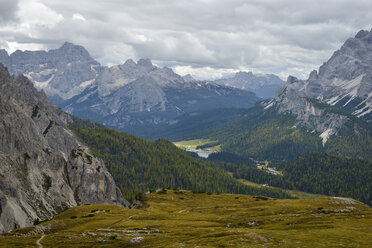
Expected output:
(188, 78)
(72, 52)
(243, 74)
(351, 60)
(3, 54)
(146, 63)
(44, 169)
(130, 63)
(313, 75)
(291, 80)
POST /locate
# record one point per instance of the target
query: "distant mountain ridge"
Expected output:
(135, 94)
(131, 96)
(263, 85)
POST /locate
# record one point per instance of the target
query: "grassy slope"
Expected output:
(294, 193)
(190, 220)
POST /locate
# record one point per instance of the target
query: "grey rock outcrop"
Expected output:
(263, 85)
(43, 168)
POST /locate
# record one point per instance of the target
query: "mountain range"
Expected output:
(141, 95)
(132, 97)
(263, 85)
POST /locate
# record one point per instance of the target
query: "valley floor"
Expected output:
(186, 219)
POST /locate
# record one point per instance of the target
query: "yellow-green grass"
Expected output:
(192, 144)
(294, 193)
(185, 219)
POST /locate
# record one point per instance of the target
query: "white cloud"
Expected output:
(204, 73)
(35, 14)
(78, 17)
(13, 46)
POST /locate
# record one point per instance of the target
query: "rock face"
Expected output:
(344, 81)
(263, 85)
(43, 169)
(62, 73)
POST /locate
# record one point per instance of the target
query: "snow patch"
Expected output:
(43, 85)
(269, 105)
(325, 135)
(350, 86)
(365, 112)
(179, 109)
(86, 83)
(333, 100)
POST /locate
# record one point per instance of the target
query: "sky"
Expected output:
(208, 39)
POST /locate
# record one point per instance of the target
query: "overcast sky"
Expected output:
(206, 38)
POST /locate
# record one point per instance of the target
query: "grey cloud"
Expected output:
(8, 10)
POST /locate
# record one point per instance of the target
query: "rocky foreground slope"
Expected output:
(43, 168)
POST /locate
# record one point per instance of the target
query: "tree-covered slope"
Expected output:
(138, 165)
(317, 173)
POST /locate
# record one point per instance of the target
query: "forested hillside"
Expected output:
(315, 173)
(138, 165)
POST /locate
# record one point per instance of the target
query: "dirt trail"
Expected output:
(130, 217)
(39, 240)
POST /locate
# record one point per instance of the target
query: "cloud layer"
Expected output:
(206, 38)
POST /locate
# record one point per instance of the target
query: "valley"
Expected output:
(202, 147)
(187, 219)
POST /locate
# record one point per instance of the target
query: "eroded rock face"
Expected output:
(43, 168)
